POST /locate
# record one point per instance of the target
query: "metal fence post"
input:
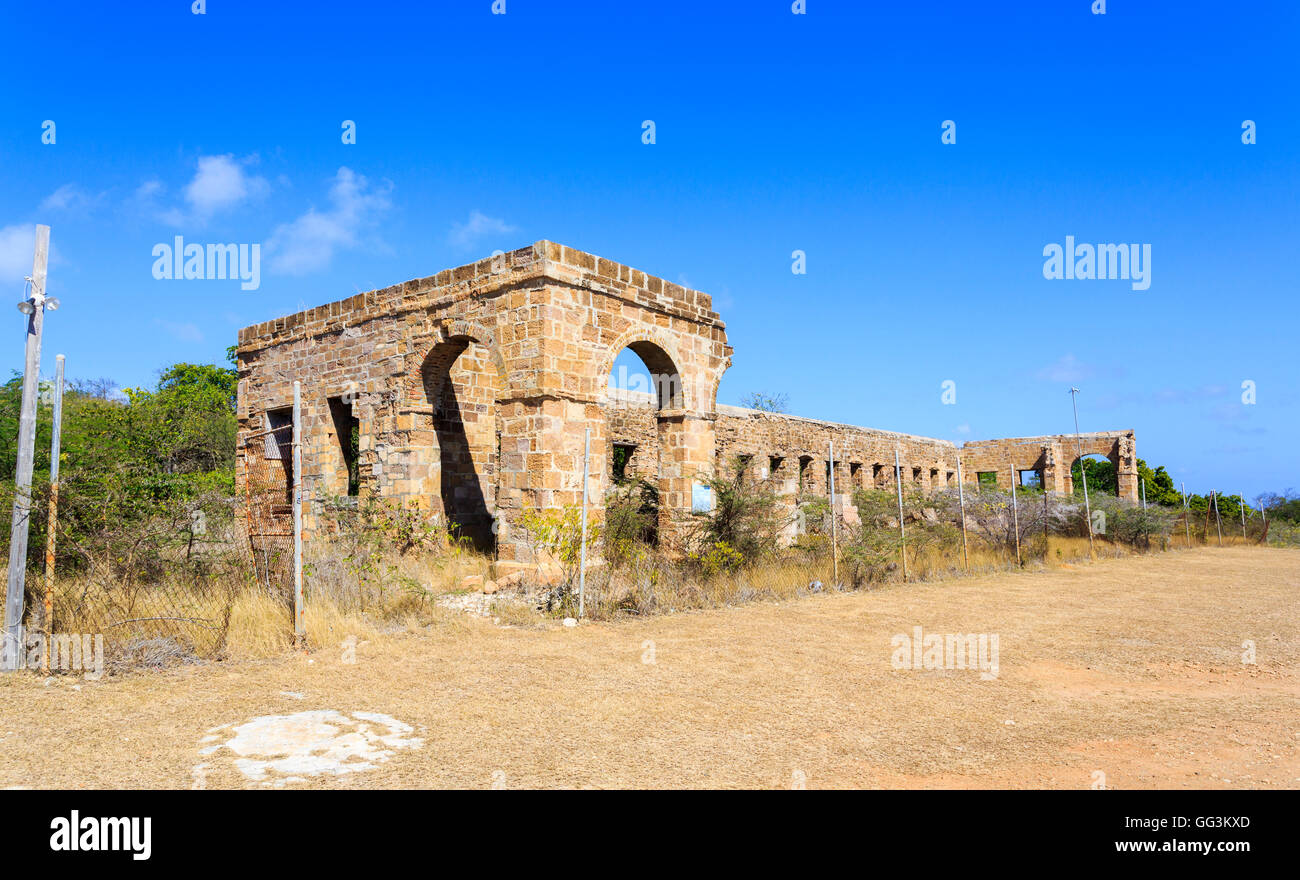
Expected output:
(1015, 511)
(835, 544)
(902, 530)
(961, 503)
(582, 552)
(299, 621)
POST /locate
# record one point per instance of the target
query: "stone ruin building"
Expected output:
(469, 393)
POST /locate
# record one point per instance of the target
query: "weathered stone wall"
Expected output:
(472, 391)
(472, 388)
(1052, 457)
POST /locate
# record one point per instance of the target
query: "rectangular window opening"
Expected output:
(619, 461)
(347, 433)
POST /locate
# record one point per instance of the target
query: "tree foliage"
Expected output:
(124, 457)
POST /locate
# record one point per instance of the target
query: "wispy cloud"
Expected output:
(308, 243)
(478, 227)
(1067, 368)
(184, 331)
(70, 198)
(220, 184)
(16, 245)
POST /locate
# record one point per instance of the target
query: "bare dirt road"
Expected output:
(1130, 673)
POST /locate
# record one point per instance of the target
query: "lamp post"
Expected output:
(11, 651)
(1083, 470)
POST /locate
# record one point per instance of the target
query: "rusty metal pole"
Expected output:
(1015, 511)
(1187, 517)
(961, 503)
(52, 521)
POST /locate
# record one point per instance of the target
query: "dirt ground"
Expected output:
(1127, 673)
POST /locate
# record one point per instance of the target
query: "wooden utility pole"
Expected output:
(11, 645)
(52, 521)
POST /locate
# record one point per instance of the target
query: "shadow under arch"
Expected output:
(461, 384)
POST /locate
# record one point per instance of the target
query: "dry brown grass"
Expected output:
(1130, 666)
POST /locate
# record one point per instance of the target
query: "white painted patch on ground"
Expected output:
(277, 749)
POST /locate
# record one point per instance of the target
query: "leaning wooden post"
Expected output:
(961, 503)
(902, 530)
(1187, 517)
(1015, 511)
(1243, 517)
(1218, 521)
(299, 621)
(52, 520)
(582, 551)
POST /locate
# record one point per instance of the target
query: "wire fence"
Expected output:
(148, 592)
(269, 508)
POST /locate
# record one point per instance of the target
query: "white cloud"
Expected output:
(308, 243)
(17, 243)
(221, 183)
(963, 428)
(476, 228)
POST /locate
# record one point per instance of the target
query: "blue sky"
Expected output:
(774, 132)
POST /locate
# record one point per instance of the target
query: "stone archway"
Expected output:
(681, 438)
(1077, 460)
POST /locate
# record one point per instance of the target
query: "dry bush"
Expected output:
(380, 558)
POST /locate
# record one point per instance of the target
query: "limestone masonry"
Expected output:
(469, 392)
